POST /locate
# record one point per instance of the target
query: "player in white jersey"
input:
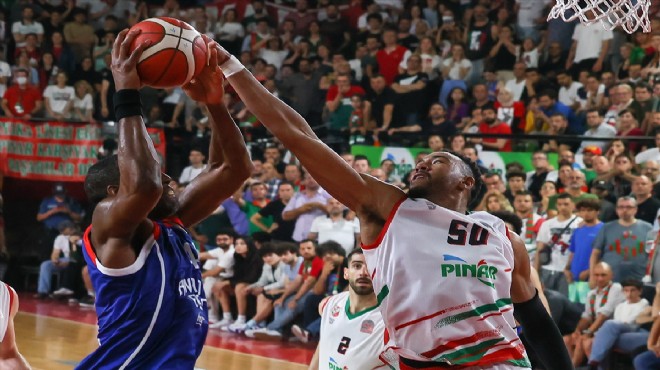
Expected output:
(10, 358)
(352, 328)
(449, 280)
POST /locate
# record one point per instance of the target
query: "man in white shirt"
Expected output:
(59, 258)
(196, 158)
(517, 84)
(218, 266)
(589, 48)
(597, 128)
(530, 12)
(25, 26)
(555, 234)
(335, 227)
(622, 325)
(568, 91)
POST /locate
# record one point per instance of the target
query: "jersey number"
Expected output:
(458, 233)
(343, 345)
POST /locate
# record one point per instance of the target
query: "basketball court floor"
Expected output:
(54, 335)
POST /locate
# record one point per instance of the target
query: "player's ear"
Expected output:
(468, 182)
(112, 190)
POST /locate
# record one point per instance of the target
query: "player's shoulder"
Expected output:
(332, 300)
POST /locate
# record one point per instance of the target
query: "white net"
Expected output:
(629, 14)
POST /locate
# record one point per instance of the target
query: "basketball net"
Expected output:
(629, 14)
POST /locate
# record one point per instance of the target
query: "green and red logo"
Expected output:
(482, 271)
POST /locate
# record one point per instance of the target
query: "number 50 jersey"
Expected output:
(444, 282)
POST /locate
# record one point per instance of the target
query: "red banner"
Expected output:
(54, 151)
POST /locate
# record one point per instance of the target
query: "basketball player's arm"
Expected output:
(229, 163)
(141, 184)
(314, 364)
(361, 193)
(538, 327)
(8, 349)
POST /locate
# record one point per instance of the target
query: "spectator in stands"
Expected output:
(618, 242)
(510, 111)
(595, 94)
(549, 106)
(382, 99)
(552, 244)
(558, 126)
(361, 164)
(331, 281)
(335, 227)
(56, 209)
(602, 189)
(538, 176)
(258, 191)
(493, 181)
(651, 169)
(26, 26)
(196, 167)
(302, 17)
(435, 143)
(410, 100)
(279, 229)
(548, 190)
(305, 206)
(390, 56)
(267, 289)
(517, 84)
(471, 152)
(596, 128)
(79, 34)
(58, 99)
(83, 102)
(622, 328)
(230, 32)
(515, 184)
(458, 107)
(455, 70)
(59, 258)
(589, 49)
(504, 53)
(577, 267)
(479, 39)
(651, 154)
(599, 307)
(63, 54)
(650, 359)
(647, 204)
(575, 186)
(293, 174)
(218, 266)
(292, 301)
(247, 269)
(338, 105)
(523, 206)
(568, 91)
(21, 100)
(494, 201)
(492, 125)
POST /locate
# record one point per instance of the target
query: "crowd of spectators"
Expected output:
(385, 72)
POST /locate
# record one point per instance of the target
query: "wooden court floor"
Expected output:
(56, 336)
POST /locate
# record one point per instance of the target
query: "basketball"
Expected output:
(176, 55)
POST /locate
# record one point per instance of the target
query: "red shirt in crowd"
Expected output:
(500, 129)
(21, 102)
(313, 268)
(334, 90)
(388, 63)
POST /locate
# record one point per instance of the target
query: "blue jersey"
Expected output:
(152, 314)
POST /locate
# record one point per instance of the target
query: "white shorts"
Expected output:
(6, 298)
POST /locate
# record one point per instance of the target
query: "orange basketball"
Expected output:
(177, 52)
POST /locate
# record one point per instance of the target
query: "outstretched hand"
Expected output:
(124, 62)
(207, 87)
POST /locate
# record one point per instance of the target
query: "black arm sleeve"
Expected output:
(542, 333)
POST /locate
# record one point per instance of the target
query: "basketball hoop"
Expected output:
(629, 14)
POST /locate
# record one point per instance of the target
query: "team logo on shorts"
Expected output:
(335, 311)
(484, 272)
(367, 327)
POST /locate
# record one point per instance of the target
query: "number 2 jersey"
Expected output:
(152, 314)
(350, 341)
(444, 281)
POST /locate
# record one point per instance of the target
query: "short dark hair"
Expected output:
(523, 193)
(376, 16)
(644, 85)
(227, 231)
(102, 174)
(564, 196)
(592, 204)
(511, 218)
(353, 253)
(329, 247)
(360, 157)
(549, 93)
(514, 174)
(283, 247)
(564, 162)
(267, 248)
(633, 283)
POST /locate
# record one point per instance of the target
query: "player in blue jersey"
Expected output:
(150, 301)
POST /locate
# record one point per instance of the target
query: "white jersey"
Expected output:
(444, 282)
(6, 298)
(350, 341)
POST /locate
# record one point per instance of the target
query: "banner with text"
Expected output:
(54, 151)
(404, 158)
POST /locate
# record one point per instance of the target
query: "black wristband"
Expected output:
(127, 103)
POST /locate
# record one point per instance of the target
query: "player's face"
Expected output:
(271, 259)
(523, 203)
(438, 172)
(358, 276)
(240, 247)
(602, 277)
(631, 293)
(168, 204)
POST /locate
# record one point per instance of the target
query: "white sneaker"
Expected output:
(250, 333)
(213, 318)
(220, 324)
(63, 292)
(300, 333)
(237, 327)
(269, 335)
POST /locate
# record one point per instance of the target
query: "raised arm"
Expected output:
(116, 220)
(361, 193)
(229, 162)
